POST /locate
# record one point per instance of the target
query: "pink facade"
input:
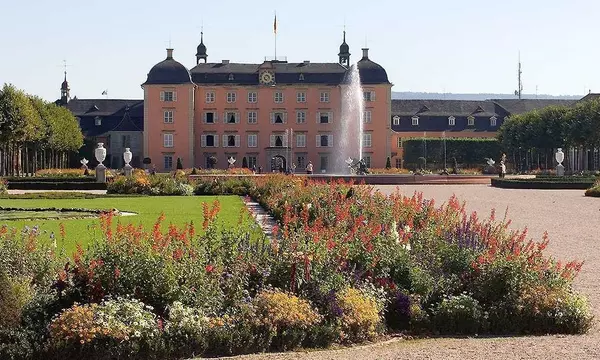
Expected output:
(246, 111)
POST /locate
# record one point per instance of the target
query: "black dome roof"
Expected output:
(371, 72)
(168, 72)
(344, 48)
(201, 50)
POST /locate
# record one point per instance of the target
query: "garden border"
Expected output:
(541, 184)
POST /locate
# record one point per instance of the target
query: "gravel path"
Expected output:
(573, 225)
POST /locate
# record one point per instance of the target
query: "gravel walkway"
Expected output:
(573, 225)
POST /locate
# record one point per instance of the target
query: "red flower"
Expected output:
(209, 268)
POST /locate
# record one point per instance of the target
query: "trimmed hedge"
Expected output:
(593, 192)
(544, 183)
(65, 195)
(50, 179)
(467, 151)
(60, 185)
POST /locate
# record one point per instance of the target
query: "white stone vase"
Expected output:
(559, 156)
(127, 156)
(100, 153)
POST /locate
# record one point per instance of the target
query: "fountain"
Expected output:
(350, 143)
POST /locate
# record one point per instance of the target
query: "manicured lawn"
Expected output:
(178, 210)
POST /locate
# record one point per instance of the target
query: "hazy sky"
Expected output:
(468, 46)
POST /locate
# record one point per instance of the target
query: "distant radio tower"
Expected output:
(519, 90)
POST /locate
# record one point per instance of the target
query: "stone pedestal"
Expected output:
(101, 173)
(560, 170)
(128, 169)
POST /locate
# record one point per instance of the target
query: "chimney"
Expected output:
(225, 62)
(365, 53)
(169, 53)
(306, 62)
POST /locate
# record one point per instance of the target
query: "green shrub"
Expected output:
(593, 191)
(185, 331)
(467, 151)
(459, 314)
(3, 186)
(15, 293)
(360, 318)
(19, 344)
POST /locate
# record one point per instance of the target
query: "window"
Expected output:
(324, 98)
(209, 140)
(98, 121)
(210, 118)
(168, 162)
(324, 140)
(126, 141)
(367, 160)
(301, 163)
(168, 140)
(168, 96)
(231, 117)
(168, 116)
(252, 162)
(369, 95)
(493, 121)
(231, 78)
(396, 120)
(399, 142)
(252, 140)
(324, 163)
(301, 140)
(278, 118)
(300, 117)
(451, 121)
(367, 140)
(210, 97)
(231, 97)
(415, 120)
(278, 97)
(398, 163)
(367, 116)
(252, 97)
(324, 117)
(301, 97)
(279, 140)
(252, 117)
(231, 140)
(301, 77)
(471, 121)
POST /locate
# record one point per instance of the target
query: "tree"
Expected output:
(244, 162)
(212, 161)
(388, 163)
(179, 164)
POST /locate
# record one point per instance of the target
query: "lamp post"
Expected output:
(560, 157)
(100, 154)
(445, 166)
(127, 156)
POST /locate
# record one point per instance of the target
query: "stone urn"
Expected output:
(127, 156)
(100, 153)
(560, 157)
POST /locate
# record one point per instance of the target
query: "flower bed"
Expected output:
(546, 182)
(142, 183)
(346, 265)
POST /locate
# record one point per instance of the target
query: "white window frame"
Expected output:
(319, 140)
(283, 117)
(398, 163)
(203, 142)
(329, 117)
(399, 143)
(493, 121)
(301, 140)
(168, 116)
(367, 140)
(252, 117)
(252, 97)
(171, 98)
(415, 120)
(301, 117)
(168, 141)
(324, 97)
(214, 119)
(451, 121)
(369, 95)
(273, 140)
(231, 97)
(301, 97)
(97, 121)
(367, 116)
(236, 140)
(227, 116)
(278, 97)
(165, 161)
(471, 120)
(210, 97)
(252, 140)
(396, 120)
(367, 160)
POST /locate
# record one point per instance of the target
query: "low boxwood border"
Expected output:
(50, 179)
(579, 184)
(62, 185)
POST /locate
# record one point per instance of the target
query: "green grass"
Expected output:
(178, 210)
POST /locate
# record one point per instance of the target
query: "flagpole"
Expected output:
(275, 31)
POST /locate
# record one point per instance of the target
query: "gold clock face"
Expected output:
(266, 77)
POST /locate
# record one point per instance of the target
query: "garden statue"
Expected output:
(127, 156)
(455, 166)
(100, 154)
(560, 157)
(231, 162)
(86, 170)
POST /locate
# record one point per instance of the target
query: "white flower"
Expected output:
(394, 232)
(406, 246)
(406, 229)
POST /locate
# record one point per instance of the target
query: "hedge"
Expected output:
(467, 151)
(50, 179)
(555, 184)
(56, 185)
(593, 192)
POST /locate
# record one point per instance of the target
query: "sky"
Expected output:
(459, 46)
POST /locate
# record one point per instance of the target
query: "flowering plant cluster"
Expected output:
(3, 186)
(142, 183)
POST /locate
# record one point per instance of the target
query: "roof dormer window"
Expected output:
(301, 77)
(451, 121)
(231, 78)
(98, 121)
(415, 120)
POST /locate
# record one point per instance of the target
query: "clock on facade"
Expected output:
(267, 77)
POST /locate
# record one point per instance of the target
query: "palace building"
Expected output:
(270, 115)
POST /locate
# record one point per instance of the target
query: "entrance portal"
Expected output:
(278, 163)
